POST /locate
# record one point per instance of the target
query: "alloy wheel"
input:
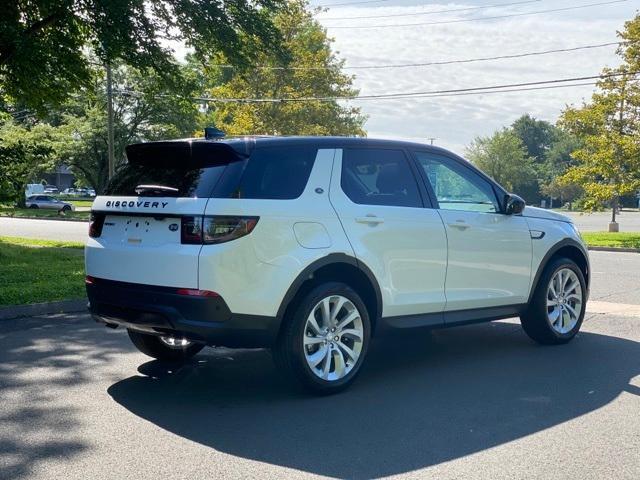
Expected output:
(564, 300)
(333, 337)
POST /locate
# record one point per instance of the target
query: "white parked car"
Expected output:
(47, 201)
(307, 245)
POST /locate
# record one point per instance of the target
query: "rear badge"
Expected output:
(173, 227)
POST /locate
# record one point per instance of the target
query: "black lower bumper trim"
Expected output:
(160, 310)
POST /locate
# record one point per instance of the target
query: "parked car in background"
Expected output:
(47, 201)
(33, 189)
(51, 189)
(69, 191)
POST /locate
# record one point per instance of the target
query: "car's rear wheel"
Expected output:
(66, 208)
(170, 349)
(33, 205)
(557, 308)
(324, 341)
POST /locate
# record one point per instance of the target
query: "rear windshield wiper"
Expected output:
(157, 191)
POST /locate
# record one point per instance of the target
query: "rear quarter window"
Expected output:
(278, 173)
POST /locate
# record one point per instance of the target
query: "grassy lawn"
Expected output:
(79, 203)
(33, 271)
(613, 240)
(6, 211)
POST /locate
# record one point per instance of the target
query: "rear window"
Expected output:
(269, 173)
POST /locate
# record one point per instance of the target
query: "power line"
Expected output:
(439, 62)
(470, 90)
(329, 5)
(443, 22)
(433, 12)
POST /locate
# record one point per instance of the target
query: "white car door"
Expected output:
(376, 195)
(490, 253)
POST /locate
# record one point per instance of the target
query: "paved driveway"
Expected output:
(484, 402)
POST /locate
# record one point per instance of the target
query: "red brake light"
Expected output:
(215, 229)
(97, 222)
(193, 292)
(89, 280)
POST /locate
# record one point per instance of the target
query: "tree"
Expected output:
(609, 128)
(537, 136)
(144, 110)
(24, 154)
(503, 157)
(43, 42)
(562, 190)
(309, 69)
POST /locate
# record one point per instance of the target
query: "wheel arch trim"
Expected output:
(331, 259)
(567, 242)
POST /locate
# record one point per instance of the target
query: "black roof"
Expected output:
(248, 142)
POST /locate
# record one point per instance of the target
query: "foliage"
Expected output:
(43, 43)
(562, 190)
(40, 271)
(609, 128)
(306, 45)
(24, 154)
(144, 109)
(503, 157)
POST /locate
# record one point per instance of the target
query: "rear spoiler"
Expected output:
(185, 154)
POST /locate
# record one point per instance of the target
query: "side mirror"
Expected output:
(513, 204)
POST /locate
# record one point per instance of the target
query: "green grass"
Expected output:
(33, 271)
(80, 203)
(6, 211)
(612, 240)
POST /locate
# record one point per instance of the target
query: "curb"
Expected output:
(613, 249)
(47, 308)
(57, 219)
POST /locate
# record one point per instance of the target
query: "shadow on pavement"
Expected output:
(35, 426)
(423, 398)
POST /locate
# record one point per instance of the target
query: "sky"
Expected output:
(455, 121)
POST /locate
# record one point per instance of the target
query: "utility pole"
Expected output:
(432, 139)
(110, 121)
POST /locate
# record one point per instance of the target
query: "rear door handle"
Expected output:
(460, 225)
(371, 219)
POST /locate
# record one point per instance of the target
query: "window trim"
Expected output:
(495, 187)
(423, 194)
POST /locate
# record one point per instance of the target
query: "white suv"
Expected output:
(307, 245)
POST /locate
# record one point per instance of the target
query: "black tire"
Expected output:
(535, 320)
(289, 352)
(154, 347)
(66, 208)
(33, 205)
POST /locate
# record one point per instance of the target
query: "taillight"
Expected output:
(96, 224)
(215, 229)
(89, 280)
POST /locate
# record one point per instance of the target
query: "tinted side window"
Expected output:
(457, 187)
(273, 173)
(372, 176)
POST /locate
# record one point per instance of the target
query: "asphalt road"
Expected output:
(44, 229)
(77, 231)
(483, 402)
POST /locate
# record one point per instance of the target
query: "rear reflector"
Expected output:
(192, 292)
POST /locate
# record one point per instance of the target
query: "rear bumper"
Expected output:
(160, 310)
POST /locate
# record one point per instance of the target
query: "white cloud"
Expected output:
(455, 121)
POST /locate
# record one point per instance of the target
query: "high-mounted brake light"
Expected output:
(215, 229)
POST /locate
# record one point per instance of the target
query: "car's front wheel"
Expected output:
(324, 341)
(170, 349)
(557, 308)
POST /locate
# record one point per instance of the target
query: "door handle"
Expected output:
(460, 225)
(371, 219)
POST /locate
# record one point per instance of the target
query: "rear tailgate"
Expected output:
(163, 185)
(140, 241)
